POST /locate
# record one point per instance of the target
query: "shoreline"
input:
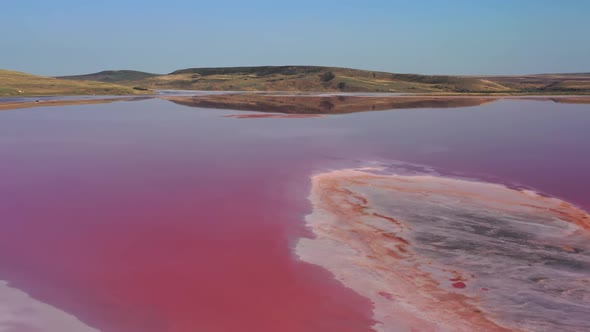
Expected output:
(406, 101)
(29, 104)
(426, 250)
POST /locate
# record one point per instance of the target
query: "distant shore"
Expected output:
(41, 103)
(290, 78)
(339, 80)
(299, 102)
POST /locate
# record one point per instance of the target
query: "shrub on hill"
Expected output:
(327, 76)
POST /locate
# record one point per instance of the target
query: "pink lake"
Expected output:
(151, 216)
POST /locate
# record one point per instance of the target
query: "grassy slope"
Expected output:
(315, 78)
(14, 83)
(545, 83)
(311, 78)
(111, 76)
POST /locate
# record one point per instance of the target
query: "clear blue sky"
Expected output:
(55, 37)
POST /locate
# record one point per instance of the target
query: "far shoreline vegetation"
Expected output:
(289, 78)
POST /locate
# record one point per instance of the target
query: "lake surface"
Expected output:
(152, 216)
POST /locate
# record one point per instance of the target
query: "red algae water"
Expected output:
(150, 216)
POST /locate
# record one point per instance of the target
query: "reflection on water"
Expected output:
(325, 104)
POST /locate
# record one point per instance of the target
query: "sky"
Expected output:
(495, 37)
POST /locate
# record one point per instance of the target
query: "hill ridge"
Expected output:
(111, 76)
(16, 83)
(339, 79)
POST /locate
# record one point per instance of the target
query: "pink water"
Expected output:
(149, 216)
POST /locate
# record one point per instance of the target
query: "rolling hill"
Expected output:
(13, 83)
(294, 78)
(332, 79)
(111, 76)
(312, 78)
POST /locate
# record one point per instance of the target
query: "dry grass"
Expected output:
(302, 78)
(319, 79)
(14, 83)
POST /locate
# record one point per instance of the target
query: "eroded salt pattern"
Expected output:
(443, 254)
